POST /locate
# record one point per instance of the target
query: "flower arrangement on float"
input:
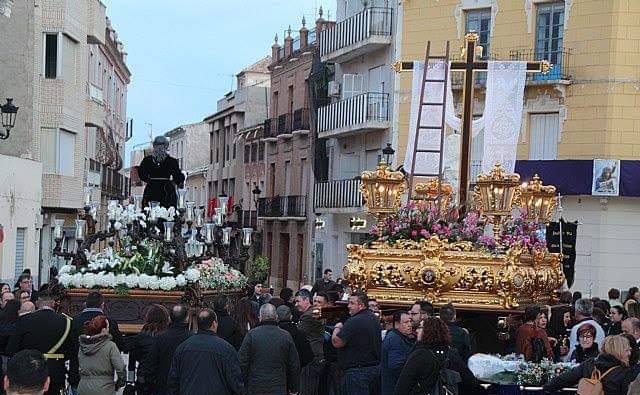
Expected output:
(419, 220)
(512, 369)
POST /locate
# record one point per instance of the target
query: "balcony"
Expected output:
(96, 22)
(282, 207)
(287, 124)
(559, 59)
(367, 111)
(337, 196)
(362, 33)
(250, 219)
(113, 184)
(95, 114)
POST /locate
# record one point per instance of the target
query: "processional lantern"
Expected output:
(382, 188)
(436, 193)
(539, 200)
(496, 194)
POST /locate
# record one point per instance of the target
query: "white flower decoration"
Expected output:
(167, 283)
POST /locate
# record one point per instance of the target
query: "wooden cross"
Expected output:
(469, 65)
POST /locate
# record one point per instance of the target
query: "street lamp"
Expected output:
(388, 153)
(9, 112)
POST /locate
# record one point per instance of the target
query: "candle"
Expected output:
(80, 229)
(182, 197)
(223, 200)
(219, 217)
(226, 236)
(57, 231)
(199, 217)
(208, 233)
(168, 231)
(246, 236)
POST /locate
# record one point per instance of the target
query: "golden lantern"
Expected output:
(539, 200)
(434, 191)
(382, 190)
(496, 194)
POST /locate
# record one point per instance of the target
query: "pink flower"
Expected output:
(424, 232)
(414, 233)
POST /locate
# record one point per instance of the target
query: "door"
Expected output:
(377, 100)
(549, 36)
(351, 85)
(284, 257)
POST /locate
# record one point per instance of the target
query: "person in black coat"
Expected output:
(204, 364)
(460, 338)
(161, 173)
(42, 330)
(299, 339)
(612, 363)
(164, 348)
(228, 328)
(434, 352)
(587, 347)
(141, 346)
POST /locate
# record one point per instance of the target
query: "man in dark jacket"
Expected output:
(268, 357)
(460, 338)
(204, 364)
(165, 347)
(396, 347)
(313, 329)
(299, 339)
(50, 333)
(228, 328)
(323, 284)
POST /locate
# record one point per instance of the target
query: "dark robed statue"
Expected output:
(162, 174)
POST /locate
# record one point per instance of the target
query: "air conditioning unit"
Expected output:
(334, 88)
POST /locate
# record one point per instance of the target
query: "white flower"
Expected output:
(107, 280)
(143, 224)
(117, 225)
(154, 282)
(167, 268)
(131, 280)
(144, 281)
(77, 280)
(121, 279)
(65, 279)
(167, 283)
(192, 275)
(171, 212)
(89, 280)
(181, 281)
(67, 269)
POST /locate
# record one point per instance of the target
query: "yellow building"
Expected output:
(587, 107)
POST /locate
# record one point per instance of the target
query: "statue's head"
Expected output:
(160, 148)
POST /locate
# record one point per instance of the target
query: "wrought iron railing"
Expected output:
(337, 194)
(374, 21)
(559, 59)
(282, 206)
(287, 123)
(354, 110)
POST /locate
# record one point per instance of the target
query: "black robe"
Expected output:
(160, 187)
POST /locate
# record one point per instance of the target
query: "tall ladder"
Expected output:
(419, 128)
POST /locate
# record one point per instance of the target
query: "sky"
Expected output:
(183, 55)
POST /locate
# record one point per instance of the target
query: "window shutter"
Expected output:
(20, 251)
(66, 152)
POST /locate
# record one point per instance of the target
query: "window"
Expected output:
(543, 144)
(274, 104)
(58, 151)
(480, 21)
(287, 178)
(51, 55)
(351, 85)
(304, 179)
(69, 55)
(549, 33)
(290, 104)
(232, 187)
(20, 251)
(349, 166)
(373, 157)
(261, 151)
(254, 153)
(247, 153)
(91, 142)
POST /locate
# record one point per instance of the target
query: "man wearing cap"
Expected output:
(161, 173)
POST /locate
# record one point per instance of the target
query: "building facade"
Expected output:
(189, 144)
(246, 106)
(286, 209)
(60, 104)
(355, 123)
(585, 108)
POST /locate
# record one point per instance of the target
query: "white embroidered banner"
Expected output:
(503, 114)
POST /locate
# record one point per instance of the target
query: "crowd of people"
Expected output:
(264, 344)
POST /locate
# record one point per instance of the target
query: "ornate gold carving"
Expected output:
(539, 200)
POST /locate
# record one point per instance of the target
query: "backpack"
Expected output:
(538, 351)
(446, 382)
(593, 385)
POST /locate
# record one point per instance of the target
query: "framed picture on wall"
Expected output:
(606, 177)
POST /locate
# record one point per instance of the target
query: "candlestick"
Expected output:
(199, 221)
(137, 200)
(80, 223)
(246, 236)
(218, 218)
(182, 197)
(223, 201)
(226, 236)
(208, 233)
(57, 231)
(168, 231)
(153, 211)
(87, 196)
(188, 215)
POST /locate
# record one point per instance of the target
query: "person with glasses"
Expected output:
(612, 364)
(617, 314)
(587, 346)
(25, 284)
